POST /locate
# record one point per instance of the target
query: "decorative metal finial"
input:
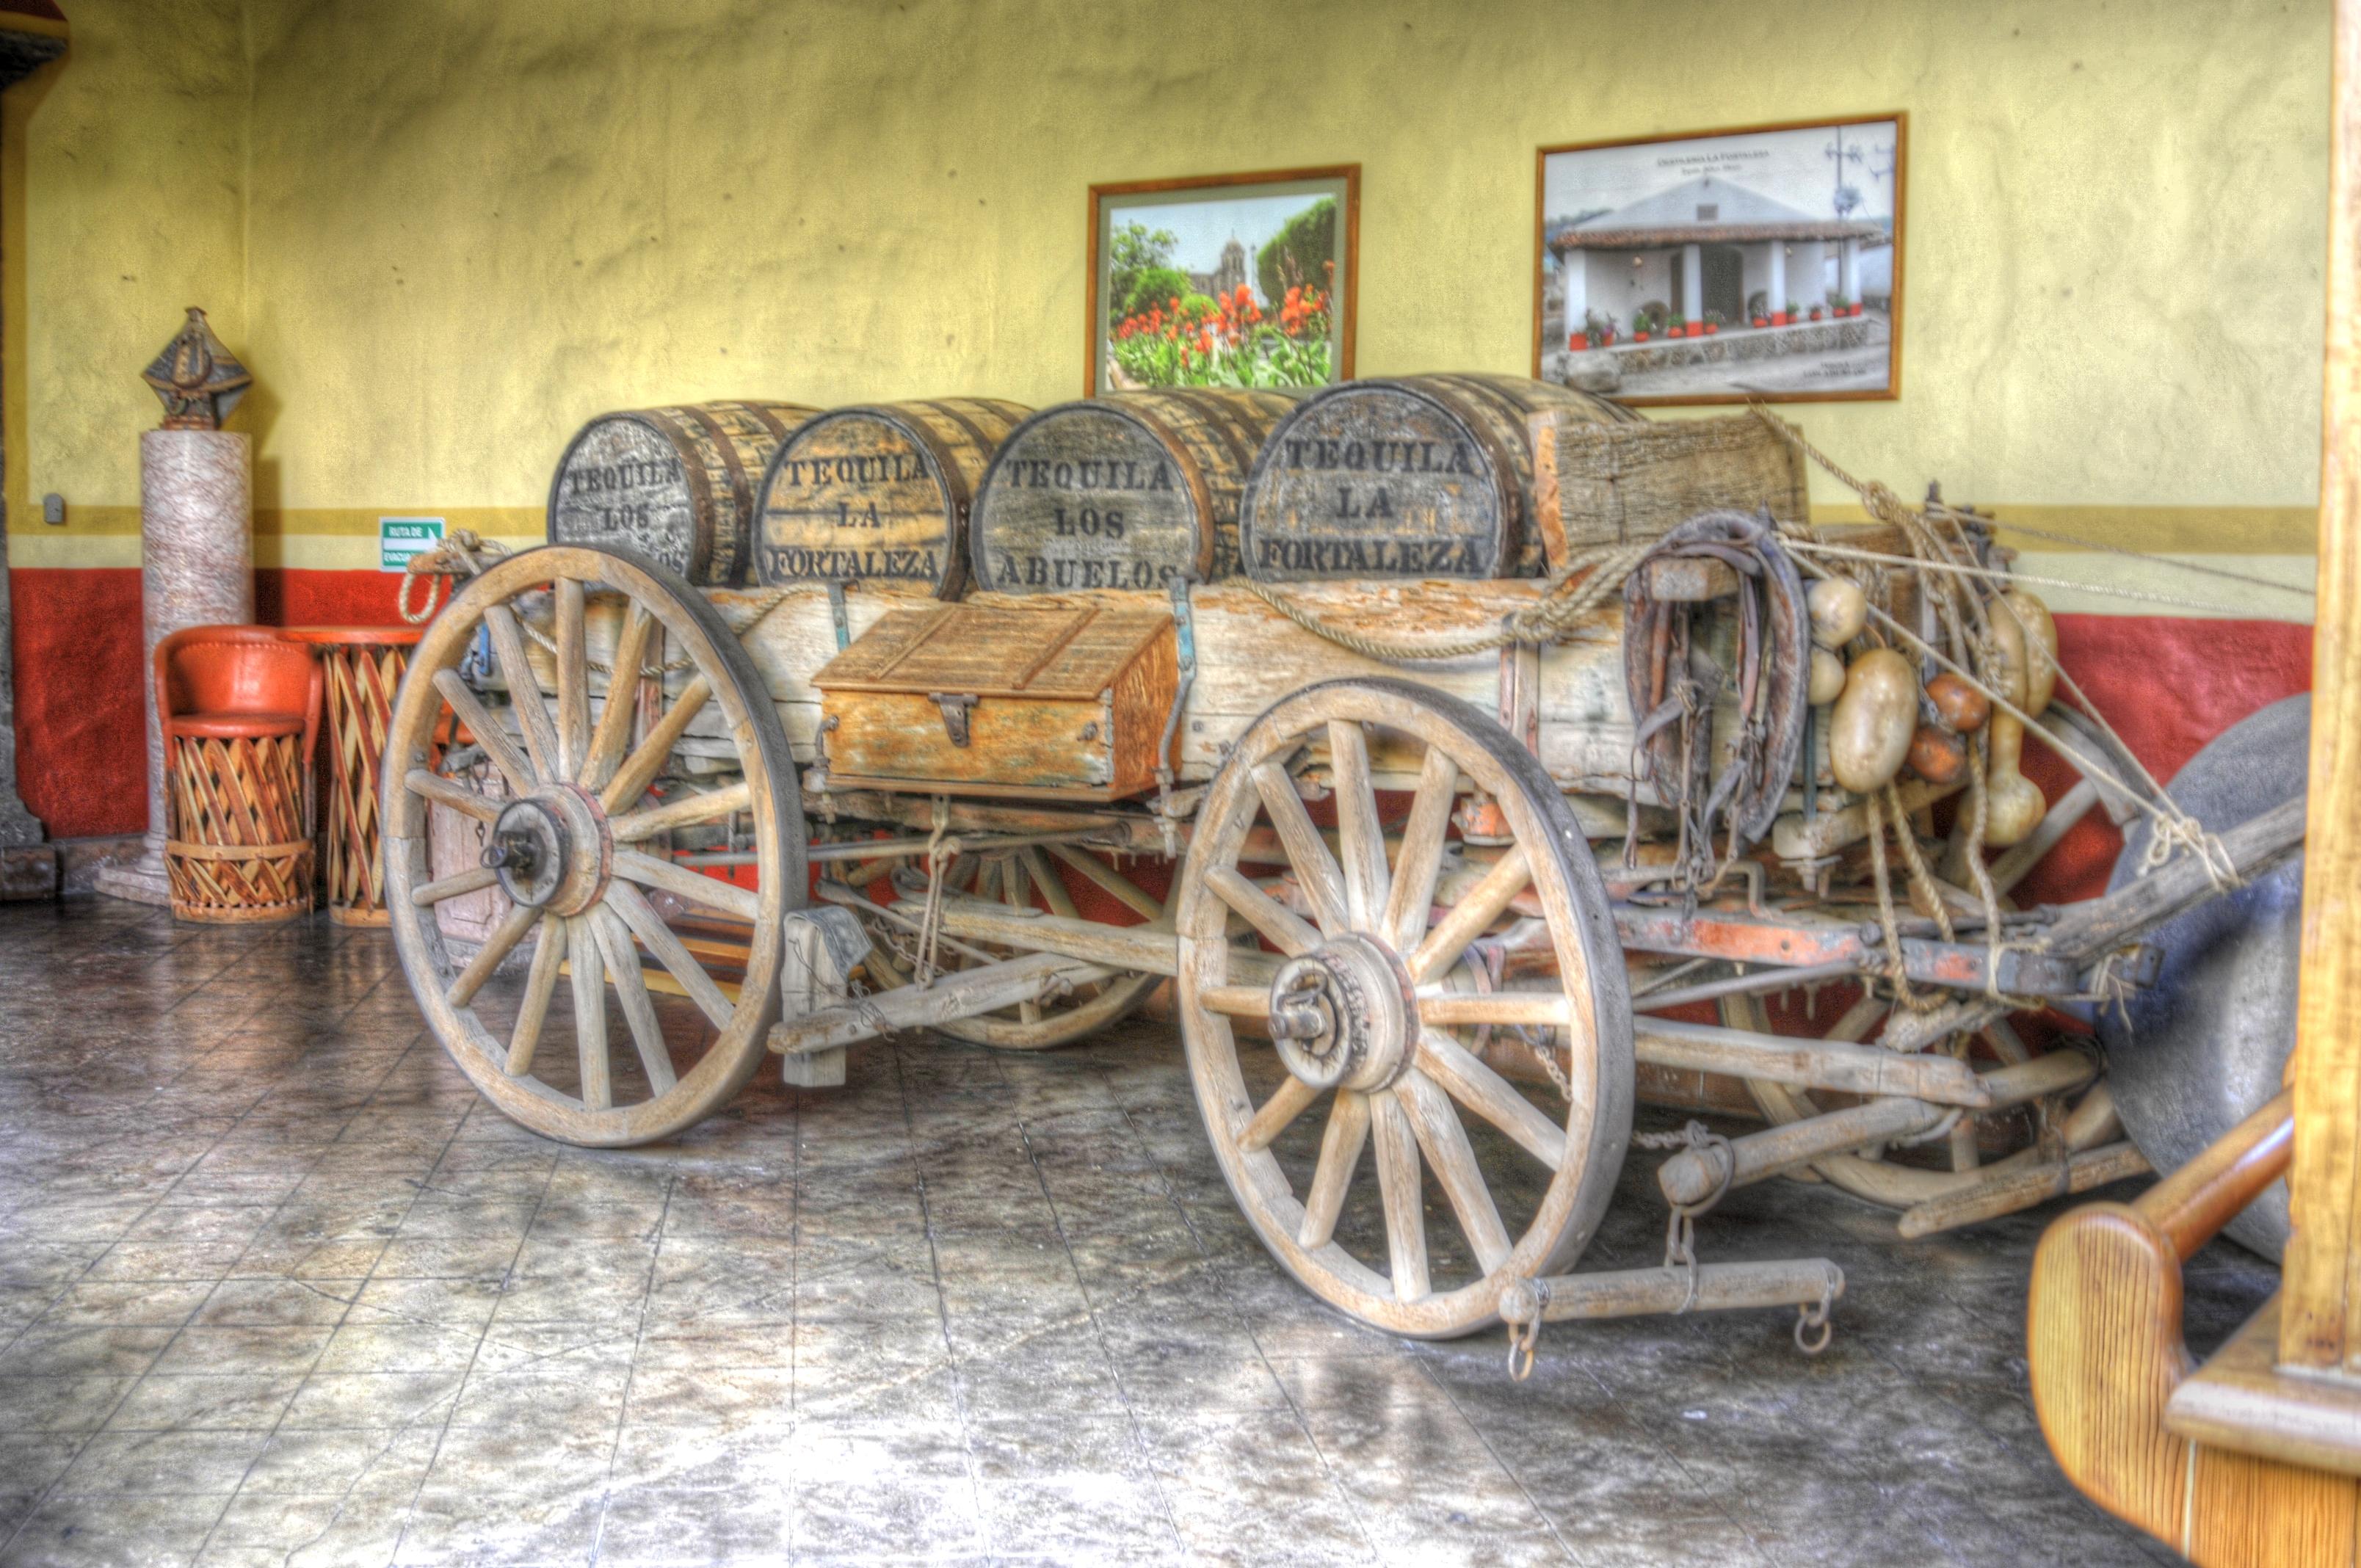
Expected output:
(197, 377)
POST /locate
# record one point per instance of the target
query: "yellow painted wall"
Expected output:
(122, 203)
(467, 225)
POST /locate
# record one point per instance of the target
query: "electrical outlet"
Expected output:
(53, 509)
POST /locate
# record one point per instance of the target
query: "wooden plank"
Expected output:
(1249, 656)
(984, 989)
(2005, 1193)
(1623, 484)
(1717, 1287)
(1694, 1175)
(1806, 1063)
(2320, 1321)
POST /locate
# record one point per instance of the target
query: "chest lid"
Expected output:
(1054, 653)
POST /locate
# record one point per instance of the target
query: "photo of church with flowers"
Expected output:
(1228, 285)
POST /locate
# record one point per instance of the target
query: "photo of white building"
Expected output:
(1711, 269)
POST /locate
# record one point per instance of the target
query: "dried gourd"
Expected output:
(1869, 732)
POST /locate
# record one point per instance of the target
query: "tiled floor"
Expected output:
(275, 1287)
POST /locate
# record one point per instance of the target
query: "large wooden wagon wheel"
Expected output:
(1028, 878)
(1365, 997)
(575, 847)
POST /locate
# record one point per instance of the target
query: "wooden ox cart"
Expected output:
(1436, 910)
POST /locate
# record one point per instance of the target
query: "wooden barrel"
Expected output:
(675, 484)
(879, 494)
(1417, 476)
(1124, 491)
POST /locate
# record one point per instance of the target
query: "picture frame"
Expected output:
(1261, 230)
(1688, 235)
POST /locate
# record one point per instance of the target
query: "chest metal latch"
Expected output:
(956, 707)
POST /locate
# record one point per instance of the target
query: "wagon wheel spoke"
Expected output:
(1418, 866)
(686, 811)
(573, 682)
(632, 992)
(1465, 1077)
(471, 712)
(1016, 891)
(1470, 916)
(1398, 1185)
(1110, 882)
(1053, 891)
(1286, 1103)
(1444, 1142)
(681, 883)
(614, 731)
(648, 925)
(1307, 852)
(474, 880)
(524, 691)
(1360, 839)
(590, 1013)
(1235, 1001)
(1859, 1019)
(1340, 1152)
(503, 940)
(452, 793)
(640, 768)
(540, 985)
(1527, 1009)
(1286, 930)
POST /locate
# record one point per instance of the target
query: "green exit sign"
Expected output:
(400, 538)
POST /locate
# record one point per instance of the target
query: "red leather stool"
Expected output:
(239, 706)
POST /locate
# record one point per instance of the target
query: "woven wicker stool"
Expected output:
(363, 666)
(239, 706)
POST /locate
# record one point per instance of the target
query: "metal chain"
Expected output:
(930, 926)
(1680, 1227)
(1817, 1317)
(1545, 1052)
(1524, 1338)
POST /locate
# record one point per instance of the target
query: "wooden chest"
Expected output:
(1059, 702)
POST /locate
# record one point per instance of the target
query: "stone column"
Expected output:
(1777, 288)
(196, 568)
(1849, 269)
(1693, 283)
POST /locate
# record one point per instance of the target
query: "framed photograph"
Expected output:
(1226, 281)
(1720, 266)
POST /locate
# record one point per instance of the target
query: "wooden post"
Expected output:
(824, 946)
(2318, 1327)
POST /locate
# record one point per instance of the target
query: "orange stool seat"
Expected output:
(239, 708)
(232, 726)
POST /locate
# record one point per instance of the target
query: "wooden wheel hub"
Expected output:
(551, 851)
(1345, 1014)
